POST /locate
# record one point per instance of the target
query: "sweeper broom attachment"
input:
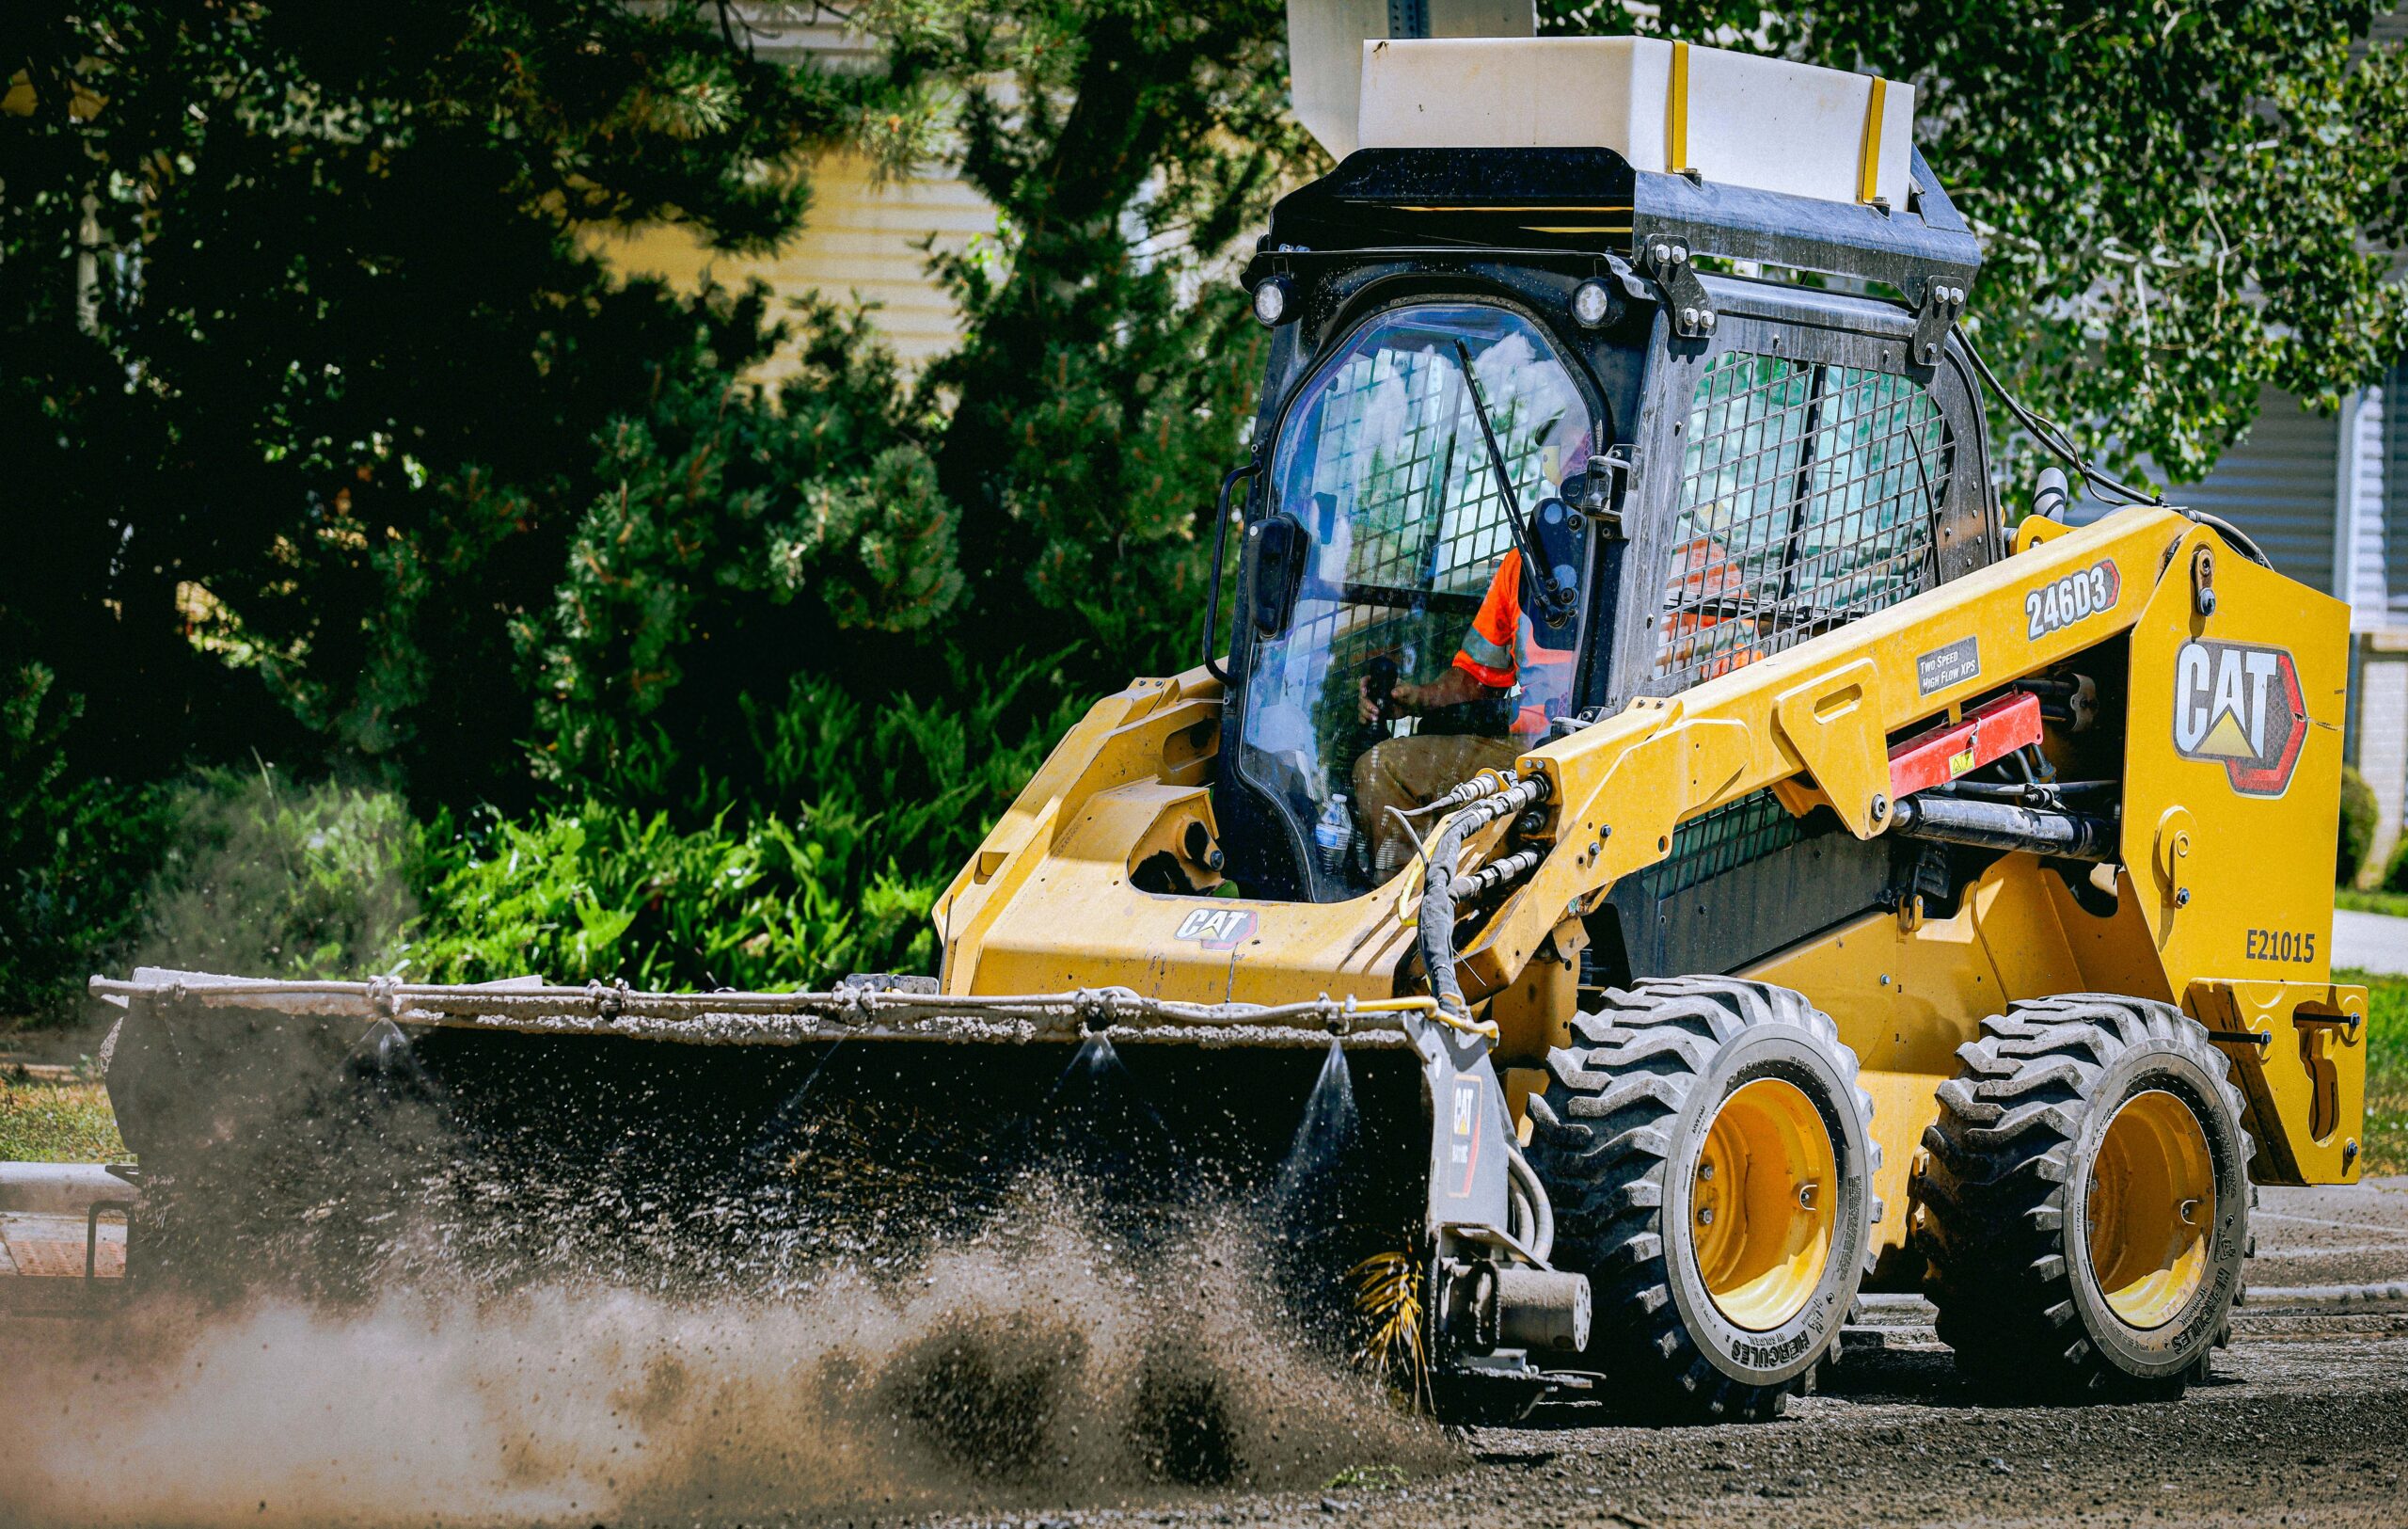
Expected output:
(1730, 869)
(673, 1140)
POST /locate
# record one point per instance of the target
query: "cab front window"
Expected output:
(1436, 621)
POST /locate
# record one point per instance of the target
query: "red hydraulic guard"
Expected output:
(1945, 753)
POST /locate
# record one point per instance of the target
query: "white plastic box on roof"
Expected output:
(1735, 118)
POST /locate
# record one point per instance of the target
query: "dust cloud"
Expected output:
(489, 1279)
(1035, 1367)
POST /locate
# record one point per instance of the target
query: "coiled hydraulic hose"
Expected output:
(1526, 1197)
(1438, 887)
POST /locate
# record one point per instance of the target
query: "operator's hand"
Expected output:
(1369, 709)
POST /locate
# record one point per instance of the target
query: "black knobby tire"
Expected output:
(1617, 1137)
(2007, 1185)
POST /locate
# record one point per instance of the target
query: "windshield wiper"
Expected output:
(1555, 602)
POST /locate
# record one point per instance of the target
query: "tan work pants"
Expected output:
(1407, 772)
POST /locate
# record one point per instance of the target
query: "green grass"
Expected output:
(44, 1122)
(2394, 904)
(2387, 1138)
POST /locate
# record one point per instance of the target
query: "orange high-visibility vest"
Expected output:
(1499, 643)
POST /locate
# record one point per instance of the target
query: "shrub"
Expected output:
(2358, 814)
(70, 890)
(819, 848)
(75, 853)
(247, 873)
(828, 860)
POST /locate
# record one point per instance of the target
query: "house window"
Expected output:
(2394, 497)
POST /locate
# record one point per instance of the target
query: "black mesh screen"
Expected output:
(1726, 838)
(1428, 524)
(1808, 495)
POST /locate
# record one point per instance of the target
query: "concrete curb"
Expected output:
(58, 1188)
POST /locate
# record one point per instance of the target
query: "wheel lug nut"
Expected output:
(1706, 1215)
(1706, 1170)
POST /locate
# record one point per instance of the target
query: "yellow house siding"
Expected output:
(859, 241)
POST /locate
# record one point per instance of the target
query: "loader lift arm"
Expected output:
(1812, 722)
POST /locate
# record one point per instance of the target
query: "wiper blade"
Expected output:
(1555, 602)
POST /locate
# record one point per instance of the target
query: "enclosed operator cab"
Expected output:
(1517, 463)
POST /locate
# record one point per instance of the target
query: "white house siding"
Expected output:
(2381, 614)
(2364, 473)
(2394, 497)
(2276, 484)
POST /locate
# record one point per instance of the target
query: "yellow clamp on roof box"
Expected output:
(1731, 118)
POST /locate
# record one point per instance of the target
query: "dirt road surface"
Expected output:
(2306, 1423)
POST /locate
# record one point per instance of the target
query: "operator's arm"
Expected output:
(1484, 665)
(1453, 688)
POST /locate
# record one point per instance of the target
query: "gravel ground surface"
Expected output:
(2307, 1424)
(2353, 1235)
(2304, 1422)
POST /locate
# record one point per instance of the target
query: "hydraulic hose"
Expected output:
(2239, 540)
(1438, 885)
(1527, 1198)
(2052, 438)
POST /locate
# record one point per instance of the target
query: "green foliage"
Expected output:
(2387, 1138)
(829, 864)
(73, 875)
(1108, 376)
(221, 871)
(2358, 814)
(712, 512)
(34, 719)
(308, 355)
(2179, 206)
(2395, 875)
(2390, 904)
(74, 853)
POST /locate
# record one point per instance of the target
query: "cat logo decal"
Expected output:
(2240, 705)
(1216, 929)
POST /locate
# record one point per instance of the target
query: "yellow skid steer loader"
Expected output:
(1738, 872)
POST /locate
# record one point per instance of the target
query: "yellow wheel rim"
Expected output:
(2151, 1209)
(1765, 1204)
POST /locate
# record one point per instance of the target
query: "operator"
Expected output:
(1511, 659)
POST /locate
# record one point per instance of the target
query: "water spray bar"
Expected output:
(860, 1012)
